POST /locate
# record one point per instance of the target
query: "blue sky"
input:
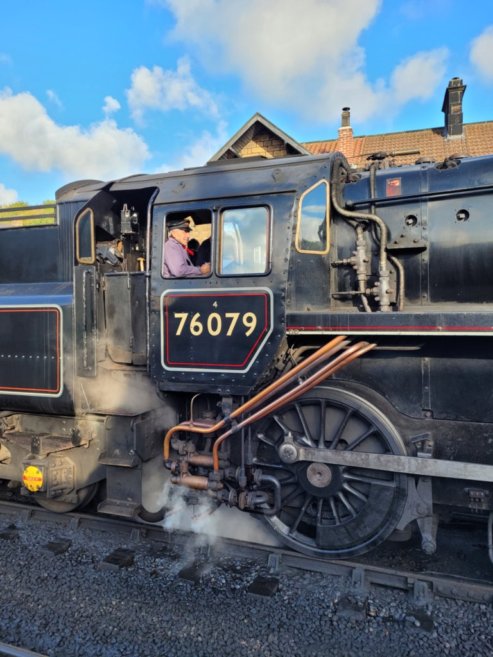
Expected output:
(106, 88)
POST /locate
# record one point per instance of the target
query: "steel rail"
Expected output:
(13, 651)
(436, 584)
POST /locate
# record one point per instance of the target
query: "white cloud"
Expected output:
(164, 90)
(111, 105)
(301, 55)
(33, 140)
(419, 10)
(481, 54)
(200, 151)
(53, 97)
(418, 76)
(7, 196)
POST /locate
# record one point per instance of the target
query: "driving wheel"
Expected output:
(329, 510)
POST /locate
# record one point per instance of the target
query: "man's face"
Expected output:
(180, 235)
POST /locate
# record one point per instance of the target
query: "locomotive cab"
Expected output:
(221, 332)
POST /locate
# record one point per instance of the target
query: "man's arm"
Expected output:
(176, 261)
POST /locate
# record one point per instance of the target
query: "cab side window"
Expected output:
(312, 229)
(84, 238)
(187, 244)
(244, 241)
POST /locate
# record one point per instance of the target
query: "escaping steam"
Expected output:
(204, 519)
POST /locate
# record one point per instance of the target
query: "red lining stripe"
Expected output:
(438, 329)
(206, 295)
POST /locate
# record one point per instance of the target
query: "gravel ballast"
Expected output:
(59, 597)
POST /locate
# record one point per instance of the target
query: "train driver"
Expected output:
(177, 262)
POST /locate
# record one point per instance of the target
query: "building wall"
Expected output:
(260, 143)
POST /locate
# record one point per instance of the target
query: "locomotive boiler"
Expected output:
(332, 373)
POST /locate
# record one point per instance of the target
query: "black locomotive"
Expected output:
(332, 373)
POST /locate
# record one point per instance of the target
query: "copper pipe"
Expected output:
(198, 460)
(281, 401)
(204, 460)
(341, 361)
(196, 427)
(329, 369)
(191, 481)
(321, 354)
(318, 356)
(324, 352)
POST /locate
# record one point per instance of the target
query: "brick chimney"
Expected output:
(452, 107)
(345, 140)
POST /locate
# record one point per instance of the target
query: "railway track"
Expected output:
(421, 582)
(7, 650)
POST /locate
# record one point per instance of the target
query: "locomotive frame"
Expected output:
(332, 373)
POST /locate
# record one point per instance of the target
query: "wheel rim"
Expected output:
(60, 505)
(328, 510)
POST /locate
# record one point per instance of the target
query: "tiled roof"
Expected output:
(431, 143)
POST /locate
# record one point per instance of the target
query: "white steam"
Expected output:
(207, 522)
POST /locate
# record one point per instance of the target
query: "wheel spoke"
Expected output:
(306, 430)
(290, 496)
(353, 491)
(263, 439)
(357, 441)
(321, 437)
(347, 504)
(333, 508)
(300, 515)
(388, 483)
(272, 466)
(283, 426)
(340, 428)
(293, 479)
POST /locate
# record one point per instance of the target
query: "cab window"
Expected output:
(312, 228)
(84, 238)
(244, 241)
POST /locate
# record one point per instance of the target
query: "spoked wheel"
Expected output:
(329, 510)
(60, 505)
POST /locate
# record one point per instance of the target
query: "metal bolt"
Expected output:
(288, 453)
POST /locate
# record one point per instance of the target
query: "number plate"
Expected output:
(222, 331)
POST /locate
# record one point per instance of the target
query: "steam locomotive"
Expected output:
(332, 374)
